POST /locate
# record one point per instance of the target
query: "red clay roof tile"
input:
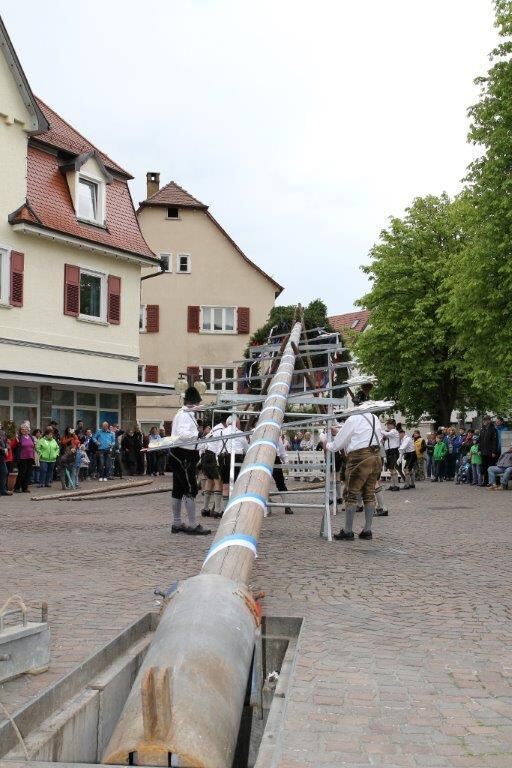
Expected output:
(174, 195)
(49, 197)
(64, 136)
(355, 321)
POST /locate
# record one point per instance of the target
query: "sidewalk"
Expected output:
(405, 657)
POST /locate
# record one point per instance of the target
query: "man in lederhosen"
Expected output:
(360, 438)
(239, 446)
(211, 470)
(184, 462)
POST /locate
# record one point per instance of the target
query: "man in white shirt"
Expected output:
(408, 452)
(277, 472)
(184, 461)
(210, 467)
(391, 440)
(237, 445)
(360, 438)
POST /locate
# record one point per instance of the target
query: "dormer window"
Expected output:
(87, 178)
(88, 199)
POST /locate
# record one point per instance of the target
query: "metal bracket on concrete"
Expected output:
(24, 646)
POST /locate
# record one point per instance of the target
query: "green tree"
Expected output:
(481, 282)
(409, 346)
(280, 318)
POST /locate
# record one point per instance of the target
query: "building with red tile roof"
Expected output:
(71, 253)
(220, 296)
(171, 194)
(49, 205)
(356, 322)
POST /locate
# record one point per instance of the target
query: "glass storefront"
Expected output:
(21, 404)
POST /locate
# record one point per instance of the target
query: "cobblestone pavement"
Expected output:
(405, 658)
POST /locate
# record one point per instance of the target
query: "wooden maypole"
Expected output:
(185, 706)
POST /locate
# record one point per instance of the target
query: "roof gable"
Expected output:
(38, 122)
(174, 195)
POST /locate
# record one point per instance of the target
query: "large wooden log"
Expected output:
(197, 666)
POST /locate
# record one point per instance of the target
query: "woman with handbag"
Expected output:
(24, 447)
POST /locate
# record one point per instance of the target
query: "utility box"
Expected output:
(24, 645)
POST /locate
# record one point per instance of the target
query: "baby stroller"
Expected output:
(464, 472)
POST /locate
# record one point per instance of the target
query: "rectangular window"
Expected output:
(87, 200)
(4, 276)
(64, 417)
(25, 395)
(4, 394)
(166, 261)
(140, 373)
(219, 379)
(88, 417)
(218, 319)
(63, 397)
(109, 400)
(173, 212)
(143, 318)
(87, 399)
(111, 416)
(183, 263)
(90, 294)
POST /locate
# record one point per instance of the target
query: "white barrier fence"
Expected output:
(305, 465)
(308, 465)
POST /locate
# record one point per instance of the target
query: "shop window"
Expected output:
(88, 417)
(86, 398)
(109, 401)
(64, 417)
(63, 397)
(5, 414)
(25, 395)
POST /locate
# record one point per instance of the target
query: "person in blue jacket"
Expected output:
(105, 440)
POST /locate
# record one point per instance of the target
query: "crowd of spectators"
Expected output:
(476, 457)
(41, 457)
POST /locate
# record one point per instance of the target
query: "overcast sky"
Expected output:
(302, 125)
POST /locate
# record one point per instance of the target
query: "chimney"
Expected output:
(152, 182)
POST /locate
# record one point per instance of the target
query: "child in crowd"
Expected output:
(68, 468)
(440, 451)
(464, 472)
(476, 462)
(81, 464)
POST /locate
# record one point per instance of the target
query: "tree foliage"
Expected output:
(280, 319)
(481, 282)
(280, 322)
(410, 347)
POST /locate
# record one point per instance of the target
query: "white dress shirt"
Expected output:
(281, 450)
(236, 444)
(356, 434)
(407, 445)
(391, 437)
(215, 445)
(184, 427)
